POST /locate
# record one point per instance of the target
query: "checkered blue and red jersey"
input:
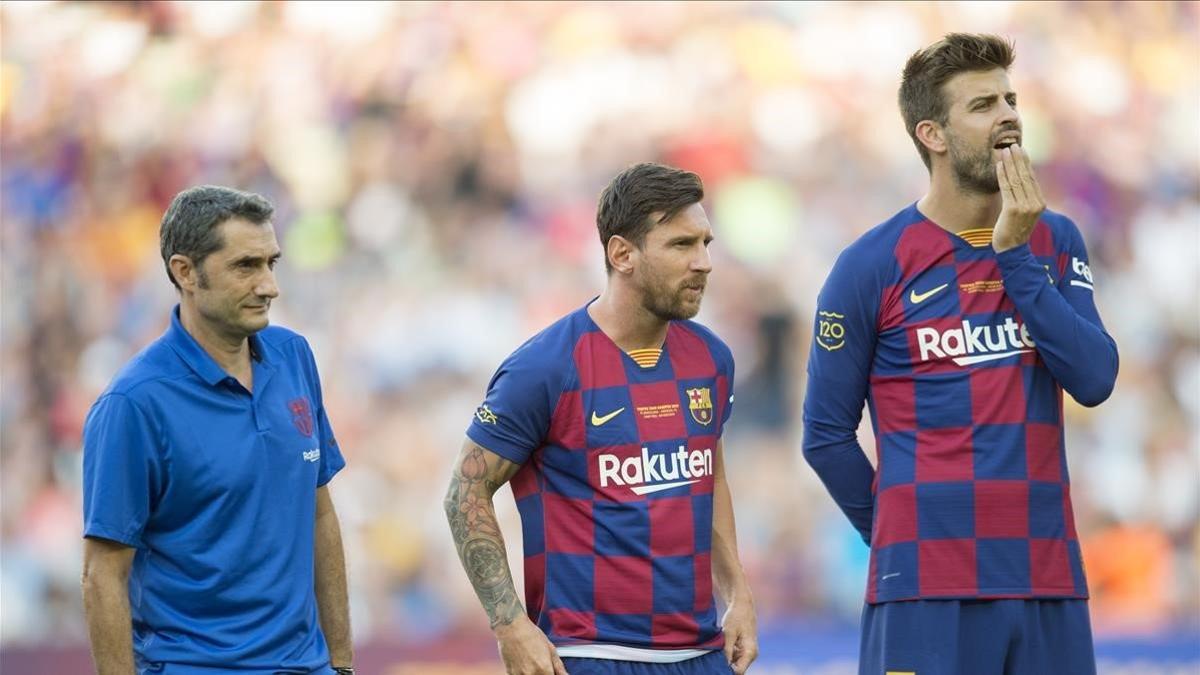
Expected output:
(962, 356)
(615, 489)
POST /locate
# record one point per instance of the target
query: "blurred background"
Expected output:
(435, 168)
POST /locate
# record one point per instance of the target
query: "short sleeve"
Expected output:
(515, 414)
(331, 455)
(727, 372)
(332, 460)
(122, 470)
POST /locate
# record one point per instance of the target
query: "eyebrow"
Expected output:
(688, 237)
(989, 98)
(255, 258)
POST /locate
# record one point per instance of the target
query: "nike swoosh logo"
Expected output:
(981, 358)
(647, 489)
(598, 420)
(917, 298)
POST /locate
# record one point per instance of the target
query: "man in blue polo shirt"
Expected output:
(211, 541)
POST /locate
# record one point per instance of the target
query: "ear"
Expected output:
(621, 253)
(932, 136)
(186, 274)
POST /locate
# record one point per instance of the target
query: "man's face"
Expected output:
(982, 119)
(673, 265)
(237, 282)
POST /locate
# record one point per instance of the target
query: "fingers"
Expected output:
(1002, 177)
(747, 651)
(1009, 161)
(559, 668)
(1033, 191)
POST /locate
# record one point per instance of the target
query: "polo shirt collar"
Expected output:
(199, 360)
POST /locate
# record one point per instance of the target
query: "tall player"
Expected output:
(960, 321)
(608, 424)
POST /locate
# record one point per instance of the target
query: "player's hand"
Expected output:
(741, 635)
(526, 651)
(1023, 201)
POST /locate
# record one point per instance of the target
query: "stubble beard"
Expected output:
(973, 171)
(666, 303)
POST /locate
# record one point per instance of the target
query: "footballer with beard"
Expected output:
(608, 425)
(960, 322)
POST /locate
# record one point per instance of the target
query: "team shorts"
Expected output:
(977, 637)
(709, 664)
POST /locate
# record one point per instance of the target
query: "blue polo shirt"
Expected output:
(216, 488)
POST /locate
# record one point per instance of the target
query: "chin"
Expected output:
(688, 310)
(253, 326)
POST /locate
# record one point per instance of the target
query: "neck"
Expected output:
(620, 314)
(231, 352)
(956, 209)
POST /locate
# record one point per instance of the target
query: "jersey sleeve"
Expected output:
(515, 414)
(1062, 318)
(123, 472)
(839, 364)
(727, 371)
(332, 460)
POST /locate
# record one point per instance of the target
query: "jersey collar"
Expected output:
(199, 360)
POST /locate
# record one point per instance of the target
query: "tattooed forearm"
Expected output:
(476, 532)
(487, 568)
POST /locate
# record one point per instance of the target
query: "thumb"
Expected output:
(730, 646)
(559, 668)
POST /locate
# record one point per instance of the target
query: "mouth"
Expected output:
(1007, 140)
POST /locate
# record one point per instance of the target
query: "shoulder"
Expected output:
(284, 340)
(877, 247)
(155, 363)
(549, 355)
(1054, 234)
(1062, 228)
(705, 335)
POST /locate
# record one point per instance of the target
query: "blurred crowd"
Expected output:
(435, 168)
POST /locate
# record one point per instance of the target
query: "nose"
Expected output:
(1008, 114)
(266, 286)
(702, 262)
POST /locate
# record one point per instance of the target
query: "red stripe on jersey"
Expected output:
(598, 361)
(921, 246)
(690, 357)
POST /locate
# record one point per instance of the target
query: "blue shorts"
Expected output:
(709, 664)
(980, 637)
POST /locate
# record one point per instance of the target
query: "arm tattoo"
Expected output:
(476, 533)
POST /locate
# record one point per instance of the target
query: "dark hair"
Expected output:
(637, 193)
(189, 227)
(921, 96)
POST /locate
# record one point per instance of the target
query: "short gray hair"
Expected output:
(189, 227)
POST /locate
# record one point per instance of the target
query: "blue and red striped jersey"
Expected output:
(615, 489)
(962, 356)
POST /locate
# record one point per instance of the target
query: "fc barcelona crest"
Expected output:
(301, 415)
(700, 404)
